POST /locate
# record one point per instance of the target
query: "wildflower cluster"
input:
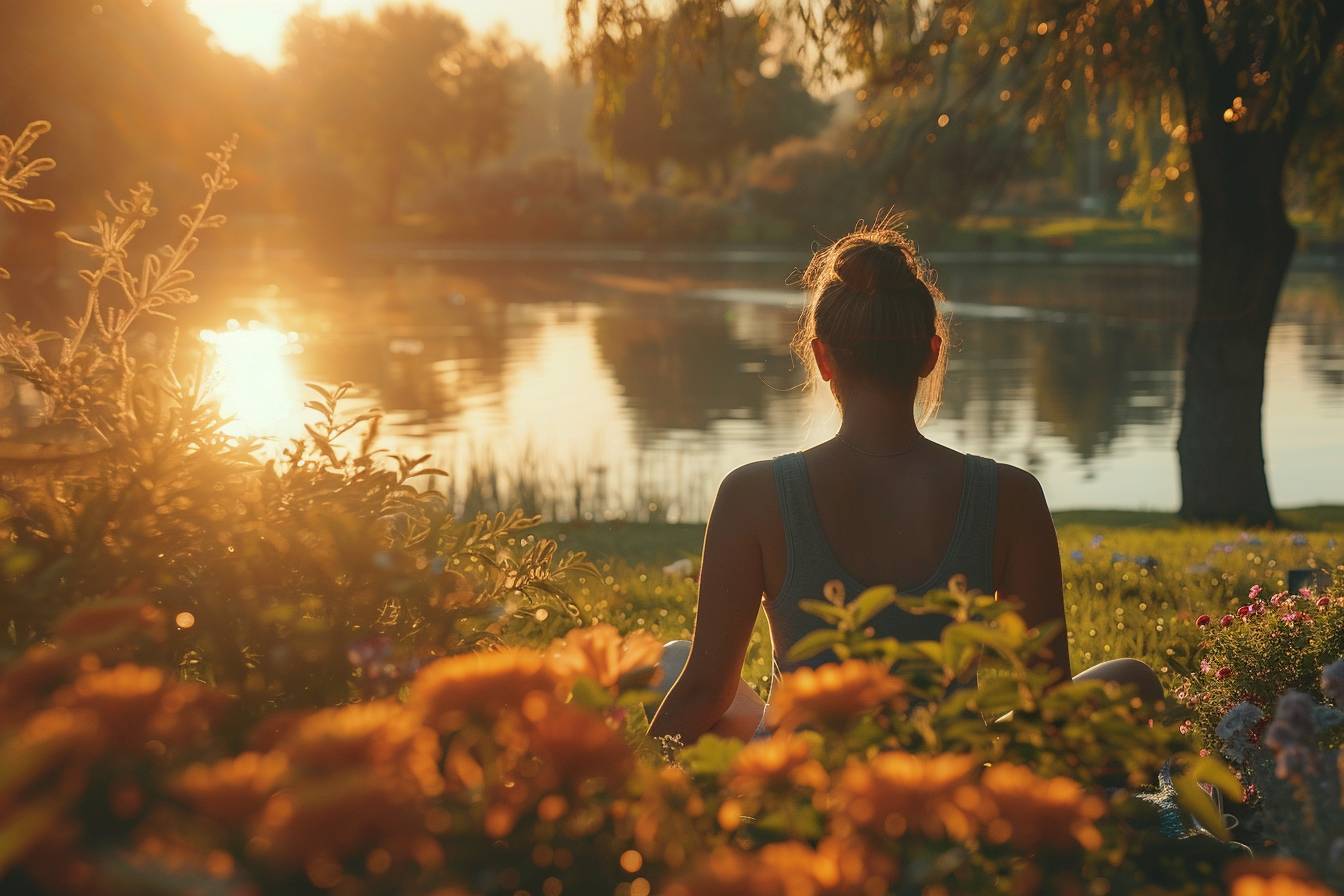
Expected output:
(1270, 644)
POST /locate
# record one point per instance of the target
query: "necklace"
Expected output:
(919, 439)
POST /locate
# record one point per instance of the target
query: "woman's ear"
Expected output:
(935, 349)
(822, 355)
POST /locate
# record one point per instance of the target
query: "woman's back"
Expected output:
(914, 520)
(878, 504)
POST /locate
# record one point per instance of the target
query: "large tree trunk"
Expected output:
(1245, 246)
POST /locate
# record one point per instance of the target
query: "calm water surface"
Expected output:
(632, 388)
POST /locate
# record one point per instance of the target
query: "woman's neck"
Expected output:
(878, 422)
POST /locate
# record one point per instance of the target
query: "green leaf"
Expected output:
(814, 643)
(710, 755)
(870, 603)
(588, 693)
(1208, 770)
(823, 610)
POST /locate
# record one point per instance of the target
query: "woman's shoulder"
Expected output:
(1017, 486)
(751, 480)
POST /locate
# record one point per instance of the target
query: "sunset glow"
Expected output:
(256, 28)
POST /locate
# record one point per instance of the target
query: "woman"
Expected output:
(879, 503)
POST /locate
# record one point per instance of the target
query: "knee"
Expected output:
(1131, 672)
(670, 664)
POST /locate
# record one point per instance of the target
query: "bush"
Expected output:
(1269, 645)
(299, 580)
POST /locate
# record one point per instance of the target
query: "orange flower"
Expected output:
(834, 868)
(574, 746)
(600, 653)
(666, 814)
(45, 766)
(448, 692)
(232, 790)
(894, 793)
(1273, 877)
(51, 740)
(1034, 811)
(335, 817)
(783, 760)
(110, 622)
(136, 704)
(380, 734)
(31, 679)
(732, 872)
(833, 693)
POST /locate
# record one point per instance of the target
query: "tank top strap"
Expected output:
(974, 544)
(804, 539)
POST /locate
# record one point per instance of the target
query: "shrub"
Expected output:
(298, 580)
(1254, 653)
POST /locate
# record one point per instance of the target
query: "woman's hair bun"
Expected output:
(873, 267)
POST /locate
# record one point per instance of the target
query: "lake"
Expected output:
(629, 387)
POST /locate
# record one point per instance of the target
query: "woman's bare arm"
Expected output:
(731, 584)
(1026, 558)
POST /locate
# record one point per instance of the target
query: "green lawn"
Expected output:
(1134, 581)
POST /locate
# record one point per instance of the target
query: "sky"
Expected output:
(256, 28)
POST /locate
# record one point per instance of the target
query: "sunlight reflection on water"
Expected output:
(254, 381)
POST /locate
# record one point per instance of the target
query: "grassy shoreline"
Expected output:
(639, 543)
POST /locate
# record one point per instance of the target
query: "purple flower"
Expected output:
(1332, 682)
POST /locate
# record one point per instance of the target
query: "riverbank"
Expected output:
(662, 543)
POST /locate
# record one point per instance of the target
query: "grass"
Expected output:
(1134, 581)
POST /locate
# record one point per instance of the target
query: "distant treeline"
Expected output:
(403, 124)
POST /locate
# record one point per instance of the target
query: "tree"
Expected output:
(704, 113)
(134, 92)
(398, 92)
(1242, 90)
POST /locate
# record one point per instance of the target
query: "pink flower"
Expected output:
(1227, 620)
(1255, 592)
(1243, 612)
(1278, 598)
(1258, 607)
(1203, 620)
(1222, 673)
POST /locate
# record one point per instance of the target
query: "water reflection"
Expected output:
(253, 380)
(617, 394)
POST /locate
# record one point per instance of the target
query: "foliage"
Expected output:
(1253, 654)
(421, 91)
(1294, 775)
(297, 580)
(701, 115)
(509, 771)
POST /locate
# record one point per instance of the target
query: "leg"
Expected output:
(1127, 671)
(743, 716)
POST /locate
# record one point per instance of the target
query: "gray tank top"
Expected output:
(812, 563)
